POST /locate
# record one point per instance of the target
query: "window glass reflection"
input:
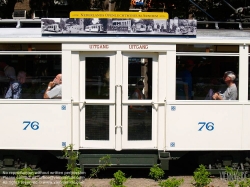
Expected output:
(139, 122)
(30, 47)
(207, 48)
(34, 72)
(139, 78)
(97, 123)
(199, 78)
(97, 77)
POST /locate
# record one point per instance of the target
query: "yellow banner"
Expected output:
(119, 15)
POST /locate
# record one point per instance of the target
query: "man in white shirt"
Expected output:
(231, 91)
(54, 90)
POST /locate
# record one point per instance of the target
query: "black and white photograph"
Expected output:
(95, 25)
(181, 26)
(119, 26)
(62, 26)
(51, 26)
(135, 26)
(159, 26)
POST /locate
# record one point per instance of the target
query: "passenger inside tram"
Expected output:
(54, 89)
(186, 77)
(8, 71)
(7, 75)
(206, 75)
(138, 91)
(15, 87)
(231, 92)
(40, 69)
(139, 88)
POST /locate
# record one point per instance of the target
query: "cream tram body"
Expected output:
(175, 125)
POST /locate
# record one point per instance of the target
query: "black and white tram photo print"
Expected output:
(119, 26)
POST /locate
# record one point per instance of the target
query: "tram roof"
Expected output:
(34, 35)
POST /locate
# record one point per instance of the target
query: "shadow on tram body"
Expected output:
(186, 165)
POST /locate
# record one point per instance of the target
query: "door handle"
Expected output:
(157, 103)
(118, 102)
(116, 127)
(79, 103)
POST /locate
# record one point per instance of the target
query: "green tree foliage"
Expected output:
(72, 180)
(236, 178)
(23, 177)
(104, 163)
(171, 182)
(156, 172)
(119, 179)
(201, 177)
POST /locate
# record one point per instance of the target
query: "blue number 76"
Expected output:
(209, 126)
(34, 125)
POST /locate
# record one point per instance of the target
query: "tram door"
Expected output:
(97, 92)
(117, 91)
(139, 83)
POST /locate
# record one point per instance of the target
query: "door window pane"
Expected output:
(139, 122)
(139, 78)
(97, 77)
(198, 78)
(97, 123)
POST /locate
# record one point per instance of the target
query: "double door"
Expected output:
(118, 89)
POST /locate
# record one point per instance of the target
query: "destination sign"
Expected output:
(119, 15)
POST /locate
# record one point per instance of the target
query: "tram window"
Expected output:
(207, 48)
(140, 78)
(30, 47)
(199, 75)
(97, 78)
(40, 70)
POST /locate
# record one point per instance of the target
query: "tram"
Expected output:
(121, 25)
(53, 28)
(140, 27)
(101, 112)
(95, 28)
(87, 28)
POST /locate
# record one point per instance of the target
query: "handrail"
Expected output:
(216, 23)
